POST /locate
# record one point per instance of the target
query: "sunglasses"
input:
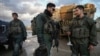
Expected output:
(53, 9)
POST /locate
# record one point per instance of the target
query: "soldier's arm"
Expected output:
(9, 28)
(23, 30)
(39, 29)
(93, 33)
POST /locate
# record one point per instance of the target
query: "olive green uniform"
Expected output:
(18, 33)
(83, 34)
(43, 36)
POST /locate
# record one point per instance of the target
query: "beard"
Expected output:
(48, 13)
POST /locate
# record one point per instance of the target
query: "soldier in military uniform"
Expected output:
(44, 36)
(83, 33)
(17, 32)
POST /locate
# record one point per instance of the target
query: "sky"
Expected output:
(27, 9)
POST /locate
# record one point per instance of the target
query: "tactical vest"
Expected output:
(49, 27)
(48, 24)
(15, 27)
(80, 28)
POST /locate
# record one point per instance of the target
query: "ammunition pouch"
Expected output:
(80, 33)
(48, 27)
(16, 30)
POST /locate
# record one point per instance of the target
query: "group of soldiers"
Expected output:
(82, 31)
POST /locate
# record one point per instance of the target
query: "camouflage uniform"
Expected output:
(17, 31)
(83, 34)
(43, 36)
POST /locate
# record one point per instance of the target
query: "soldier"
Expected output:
(44, 36)
(83, 33)
(18, 33)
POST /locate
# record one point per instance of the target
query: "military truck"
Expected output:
(4, 37)
(65, 15)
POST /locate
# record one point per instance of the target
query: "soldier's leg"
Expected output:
(84, 51)
(49, 48)
(16, 49)
(21, 43)
(10, 43)
(48, 43)
(20, 47)
(74, 49)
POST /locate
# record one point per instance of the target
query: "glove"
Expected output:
(24, 38)
(42, 44)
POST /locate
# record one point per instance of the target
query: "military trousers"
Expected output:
(80, 50)
(48, 42)
(17, 47)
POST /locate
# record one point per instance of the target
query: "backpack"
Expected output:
(48, 26)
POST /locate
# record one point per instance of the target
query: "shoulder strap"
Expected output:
(45, 18)
(41, 14)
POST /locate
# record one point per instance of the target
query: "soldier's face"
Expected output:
(77, 12)
(14, 16)
(51, 9)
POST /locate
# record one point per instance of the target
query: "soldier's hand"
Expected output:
(24, 38)
(91, 47)
(69, 33)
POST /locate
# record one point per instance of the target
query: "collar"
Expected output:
(47, 13)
